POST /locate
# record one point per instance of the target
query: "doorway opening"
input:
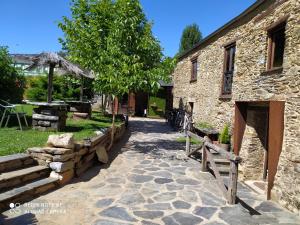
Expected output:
(258, 135)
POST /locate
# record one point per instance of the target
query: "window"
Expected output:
(194, 69)
(228, 69)
(276, 46)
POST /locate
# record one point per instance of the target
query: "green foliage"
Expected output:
(224, 137)
(157, 104)
(191, 35)
(194, 141)
(64, 87)
(12, 81)
(204, 125)
(114, 39)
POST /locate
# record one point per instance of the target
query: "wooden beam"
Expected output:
(50, 82)
(232, 186)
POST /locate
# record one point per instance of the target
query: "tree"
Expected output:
(12, 81)
(114, 39)
(191, 35)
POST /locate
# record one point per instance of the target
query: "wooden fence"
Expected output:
(207, 148)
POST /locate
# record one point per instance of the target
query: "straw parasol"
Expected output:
(53, 60)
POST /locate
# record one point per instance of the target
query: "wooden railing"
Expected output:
(207, 148)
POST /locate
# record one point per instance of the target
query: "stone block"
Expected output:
(82, 151)
(63, 158)
(62, 140)
(102, 154)
(44, 123)
(35, 150)
(84, 167)
(44, 117)
(57, 151)
(64, 177)
(42, 156)
(61, 166)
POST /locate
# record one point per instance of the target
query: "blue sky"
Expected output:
(30, 26)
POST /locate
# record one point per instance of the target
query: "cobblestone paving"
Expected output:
(150, 182)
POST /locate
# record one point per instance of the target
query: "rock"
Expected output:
(42, 156)
(104, 202)
(117, 213)
(82, 151)
(64, 177)
(44, 117)
(163, 197)
(61, 141)
(162, 180)
(158, 206)
(61, 166)
(78, 115)
(35, 150)
(148, 214)
(140, 178)
(181, 205)
(57, 151)
(183, 218)
(102, 154)
(44, 123)
(63, 158)
(205, 212)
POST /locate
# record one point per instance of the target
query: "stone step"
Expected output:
(221, 161)
(223, 170)
(27, 192)
(16, 161)
(15, 178)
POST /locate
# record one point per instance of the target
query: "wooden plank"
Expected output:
(191, 152)
(195, 136)
(217, 174)
(232, 186)
(224, 153)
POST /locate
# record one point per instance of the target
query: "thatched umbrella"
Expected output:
(53, 60)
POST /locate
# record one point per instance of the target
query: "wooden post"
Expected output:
(204, 154)
(50, 82)
(187, 144)
(232, 186)
(204, 158)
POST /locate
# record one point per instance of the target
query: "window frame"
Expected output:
(194, 75)
(271, 45)
(225, 95)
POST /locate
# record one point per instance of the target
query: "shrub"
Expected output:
(64, 87)
(12, 81)
(224, 137)
(204, 125)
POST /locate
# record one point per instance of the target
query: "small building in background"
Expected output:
(23, 61)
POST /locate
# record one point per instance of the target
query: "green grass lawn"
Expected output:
(13, 140)
(193, 141)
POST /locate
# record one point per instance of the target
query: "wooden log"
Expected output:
(232, 186)
(217, 174)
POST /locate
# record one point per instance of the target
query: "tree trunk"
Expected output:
(113, 124)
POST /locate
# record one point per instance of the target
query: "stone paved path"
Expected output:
(150, 182)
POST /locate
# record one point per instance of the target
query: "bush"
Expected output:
(12, 82)
(64, 87)
(224, 137)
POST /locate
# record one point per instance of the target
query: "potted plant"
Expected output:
(224, 138)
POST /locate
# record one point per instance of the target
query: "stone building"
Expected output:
(247, 74)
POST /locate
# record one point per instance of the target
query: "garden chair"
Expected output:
(10, 110)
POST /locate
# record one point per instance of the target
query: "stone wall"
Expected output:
(68, 159)
(251, 82)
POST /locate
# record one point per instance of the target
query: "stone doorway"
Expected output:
(258, 135)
